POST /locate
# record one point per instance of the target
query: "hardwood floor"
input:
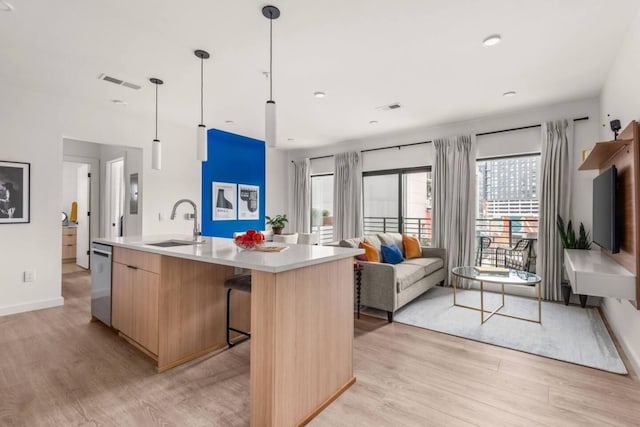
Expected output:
(58, 368)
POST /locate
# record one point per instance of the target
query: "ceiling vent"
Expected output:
(119, 82)
(393, 106)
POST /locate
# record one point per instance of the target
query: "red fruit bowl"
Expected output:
(249, 240)
(250, 246)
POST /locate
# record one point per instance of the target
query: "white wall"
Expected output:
(37, 246)
(69, 186)
(620, 98)
(518, 142)
(276, 183)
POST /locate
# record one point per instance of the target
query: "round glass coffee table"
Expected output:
(502, 277)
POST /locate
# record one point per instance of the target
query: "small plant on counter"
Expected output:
(568, 236)
(277, 223)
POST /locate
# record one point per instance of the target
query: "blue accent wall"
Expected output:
(235, 159)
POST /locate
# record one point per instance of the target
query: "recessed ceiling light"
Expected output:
(119, 102)
(5, 7)
(319, 94)
(373, 122)
(510, 93)
(229, 122)
(492, 40)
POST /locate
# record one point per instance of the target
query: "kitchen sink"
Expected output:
(172, 243)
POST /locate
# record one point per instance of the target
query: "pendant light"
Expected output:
(156, 146)
(271, 13)
(202, 129)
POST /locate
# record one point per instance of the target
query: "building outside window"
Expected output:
(508, 199)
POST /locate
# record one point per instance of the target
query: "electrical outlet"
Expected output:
(29, 276)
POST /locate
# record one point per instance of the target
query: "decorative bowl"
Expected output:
(249, 240)
(249, 246)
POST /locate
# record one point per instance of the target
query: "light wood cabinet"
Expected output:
(68, 244)
(172, 309)
(135, 303)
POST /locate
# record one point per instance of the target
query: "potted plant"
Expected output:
(568, 236)
(326, 218)
(569, 241)
(277, 223)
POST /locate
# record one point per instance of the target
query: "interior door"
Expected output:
(115, 192)
(82, 242)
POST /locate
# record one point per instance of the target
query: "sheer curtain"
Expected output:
(454, 199)
(301, 209)
(555, 196)
(347, 196)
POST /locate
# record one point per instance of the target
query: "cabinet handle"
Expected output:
(132, 267)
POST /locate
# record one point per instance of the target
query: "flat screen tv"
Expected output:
(606, 232)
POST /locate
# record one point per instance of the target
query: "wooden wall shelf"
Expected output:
(602, 152)
(624, 153)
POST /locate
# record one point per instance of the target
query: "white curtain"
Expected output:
(347, 196)
(555, 195)
(454, 205)
(301, 209)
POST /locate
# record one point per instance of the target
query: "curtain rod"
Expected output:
(579, 119)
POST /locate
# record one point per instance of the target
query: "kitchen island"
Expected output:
(170, 303)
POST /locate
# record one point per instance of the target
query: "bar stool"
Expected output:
(242, 283)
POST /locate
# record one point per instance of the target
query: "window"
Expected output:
(398, 201)
(322, 207)
(507, 198)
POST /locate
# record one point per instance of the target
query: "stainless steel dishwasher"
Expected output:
(101, 282)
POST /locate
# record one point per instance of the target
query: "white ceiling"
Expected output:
(425, 54)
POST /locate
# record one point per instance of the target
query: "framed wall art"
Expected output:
(15, 181)
(223, 195)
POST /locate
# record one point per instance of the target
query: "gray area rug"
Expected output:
(568, 333)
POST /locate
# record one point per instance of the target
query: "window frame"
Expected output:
(401, 195)
(311, 195)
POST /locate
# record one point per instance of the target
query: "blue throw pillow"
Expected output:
(391, 254)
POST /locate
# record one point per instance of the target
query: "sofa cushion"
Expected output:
(430, 265)
(391, 254)
(374, 241)
(407, 274)
(412, 247)
(371, 254)
(351, 243)
(392, 239)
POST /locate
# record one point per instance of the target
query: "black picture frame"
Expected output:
(15, 192)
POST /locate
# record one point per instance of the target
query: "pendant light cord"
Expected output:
(202, 90)
(156, 111)
(271, 56)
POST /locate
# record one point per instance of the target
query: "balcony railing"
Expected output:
(503, 232)
(420, 227)
(324, 232)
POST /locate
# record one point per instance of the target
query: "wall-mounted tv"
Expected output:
(606, 218)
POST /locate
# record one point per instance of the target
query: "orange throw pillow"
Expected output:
(370, 251)
(412, 247)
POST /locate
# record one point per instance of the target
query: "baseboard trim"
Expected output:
(31, 306)
(629, 355)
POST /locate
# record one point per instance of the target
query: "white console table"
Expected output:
(593, 273)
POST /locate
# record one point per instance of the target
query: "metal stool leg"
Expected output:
(229, 328)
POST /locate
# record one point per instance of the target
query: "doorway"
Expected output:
(115, 189)
(76, 220)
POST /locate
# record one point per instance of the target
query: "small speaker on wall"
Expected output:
(615, 127)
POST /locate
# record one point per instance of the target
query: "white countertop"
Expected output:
(217, 250)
